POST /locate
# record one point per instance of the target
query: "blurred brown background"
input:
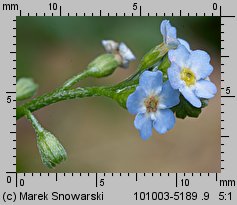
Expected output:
(98, 134)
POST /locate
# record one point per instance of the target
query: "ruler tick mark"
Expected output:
(96, 179)
(176, 179)
(228, 96)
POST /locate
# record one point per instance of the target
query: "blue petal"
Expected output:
(144, 124)
(163, 26)
(205, 89)
(184, 43)
(165, 121)
(135, 101)
(168, 97)
(171, 39)
(171, 31)
(179, 56)
(174, 76)
(110, 45)
(125, 52)
(151, 81)
(189, 95)
(199, 62)
(169, 34)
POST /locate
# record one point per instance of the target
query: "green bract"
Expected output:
(25, 88)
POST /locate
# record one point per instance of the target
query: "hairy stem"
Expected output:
(75, 79)
(60, 95)
(33, 121)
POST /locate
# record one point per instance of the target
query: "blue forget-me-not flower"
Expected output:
(122, 51)
(151, 103)
(189, 73)
(170, 36)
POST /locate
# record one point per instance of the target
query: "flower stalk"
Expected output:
(118, 93)
(75, 79)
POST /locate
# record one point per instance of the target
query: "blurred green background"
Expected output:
(98, 135)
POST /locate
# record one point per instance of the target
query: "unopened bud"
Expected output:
(126, 54)
(25, 88)
(120, 50)
(51, 150)
(103, 65)
(110, 46)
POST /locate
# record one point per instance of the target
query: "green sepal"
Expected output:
(184, 109)
(204, 102)
(121, 95)
(163, 67)
(25, 88)
(51, 150)
(151, 58)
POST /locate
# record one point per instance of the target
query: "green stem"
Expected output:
(33, 121)
(60, 95)
(75, 79)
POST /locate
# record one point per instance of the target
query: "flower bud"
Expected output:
(25, 88)
(103, 65)
(126, 55)
(110, 46)
(120, 50)
(50, 149)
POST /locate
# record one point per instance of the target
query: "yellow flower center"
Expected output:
(188, 76)
(151, 104)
